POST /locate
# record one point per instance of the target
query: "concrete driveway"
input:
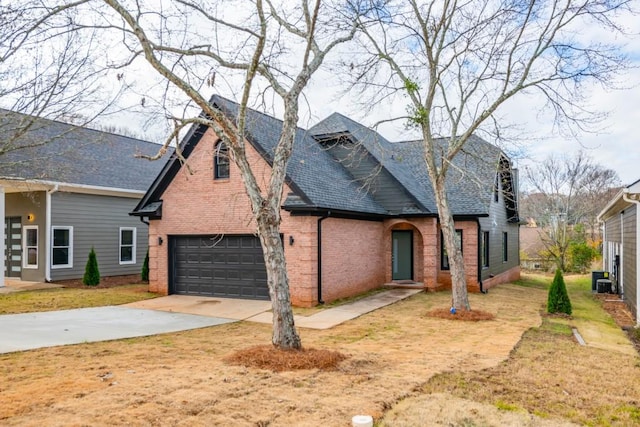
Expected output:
(19, 332)
(28, 331)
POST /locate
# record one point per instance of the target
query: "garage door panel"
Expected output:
(225, 266)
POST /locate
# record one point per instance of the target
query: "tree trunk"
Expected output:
(459, 295)
(284, 334)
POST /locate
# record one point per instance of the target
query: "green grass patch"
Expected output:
(537, 281)
(504, 406)
(68, 298)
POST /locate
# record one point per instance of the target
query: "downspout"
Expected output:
(322, 218)
(47, 233)
(2, 242)
(482, 290)
(143, 221)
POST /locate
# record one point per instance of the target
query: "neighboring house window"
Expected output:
(62, 247)
(30, 246)
(496, 189)
(221, 161)
(444, 258)
(505, 247)
(127, 245)
(485, 249)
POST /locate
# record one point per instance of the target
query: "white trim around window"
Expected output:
(127, 245)
(30, 246)
(61, 247)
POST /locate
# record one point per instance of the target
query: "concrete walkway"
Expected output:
(13, 285)
(260, 311)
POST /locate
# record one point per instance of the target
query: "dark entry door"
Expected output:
(13, 245)
(402, 255)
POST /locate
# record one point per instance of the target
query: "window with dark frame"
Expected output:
(444, 258)
(221, 161)
(62, 247)
(505, 247)
(485, 249)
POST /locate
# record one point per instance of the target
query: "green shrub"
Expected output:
(91, 273)
(580, 256)
(558, 301)
(145, 268)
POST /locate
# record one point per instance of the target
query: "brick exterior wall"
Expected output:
(195, 203)
(506, 277)
(469, 253)
(352, 257)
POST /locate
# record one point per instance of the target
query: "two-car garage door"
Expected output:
(229, 266)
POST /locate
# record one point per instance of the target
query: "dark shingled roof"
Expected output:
(322, 179)
(64, 153)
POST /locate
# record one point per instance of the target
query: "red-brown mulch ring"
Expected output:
(467, 315)
(277, 360)
(105, 282)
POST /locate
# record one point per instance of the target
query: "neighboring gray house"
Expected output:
(65, 189)
(621, 229)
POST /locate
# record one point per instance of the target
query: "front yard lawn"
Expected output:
(67, 298)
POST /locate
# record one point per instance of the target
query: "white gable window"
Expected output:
(62, 247)
(127, 245)
(30, 246)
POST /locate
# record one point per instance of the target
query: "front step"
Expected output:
(405, 284)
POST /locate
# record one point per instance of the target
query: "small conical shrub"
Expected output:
(558, 301)
(144, 274)
(91, 273)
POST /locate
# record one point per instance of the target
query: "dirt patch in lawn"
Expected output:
(181, 379)
(466, 315)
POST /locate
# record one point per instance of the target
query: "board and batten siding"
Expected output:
(496, 224)
(96, 222)
(629, 246)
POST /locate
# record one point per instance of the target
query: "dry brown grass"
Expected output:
(465, 315)
(181, 379)
(276, 360)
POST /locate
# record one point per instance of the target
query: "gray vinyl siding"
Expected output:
(630, 275)
(96, 222)
(612, 229)
(496, 224)
(21, 205)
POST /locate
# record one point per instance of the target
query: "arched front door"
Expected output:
(402, 255)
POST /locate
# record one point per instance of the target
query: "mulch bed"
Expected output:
(621, 314)
(105, 282)
(274, 359)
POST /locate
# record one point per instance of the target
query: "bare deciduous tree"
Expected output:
(256, 47)
(457, 63)
(566, 191)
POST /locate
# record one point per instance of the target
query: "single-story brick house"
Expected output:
(65, 189)
(621, 236)
(358, 212)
